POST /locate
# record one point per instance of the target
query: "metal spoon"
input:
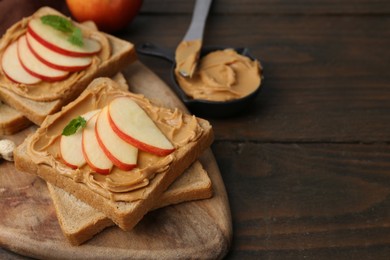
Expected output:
(187, 52)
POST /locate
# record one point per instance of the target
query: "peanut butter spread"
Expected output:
(119, 185)
(221, 76)
(186, 56)
(49, 91)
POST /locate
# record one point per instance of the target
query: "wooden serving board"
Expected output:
(199, 229)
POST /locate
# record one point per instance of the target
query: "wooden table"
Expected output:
(307, 169)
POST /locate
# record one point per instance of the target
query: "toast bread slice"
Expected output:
(80, 222)
(11, 120)
(125, 214)
(122, 54)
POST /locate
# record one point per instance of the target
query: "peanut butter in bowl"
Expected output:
(224, 83)
(222, 75)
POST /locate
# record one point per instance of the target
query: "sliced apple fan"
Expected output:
(44, 53)
(112, 136)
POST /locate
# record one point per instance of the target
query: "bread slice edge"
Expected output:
(194, 184)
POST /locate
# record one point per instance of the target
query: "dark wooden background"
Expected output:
(307, 169)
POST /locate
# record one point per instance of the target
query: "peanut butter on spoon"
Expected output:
(187, 52)
(187, 55)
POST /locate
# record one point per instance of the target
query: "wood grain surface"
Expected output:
(307, 168)
(272, 7)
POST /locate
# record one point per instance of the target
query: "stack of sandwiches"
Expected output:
(109, 156)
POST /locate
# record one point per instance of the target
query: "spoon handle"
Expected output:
(156, 51)
(201, 10)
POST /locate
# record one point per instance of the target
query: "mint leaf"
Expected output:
(64, 25)
(60, 23)
(76, 37)
(74, 125)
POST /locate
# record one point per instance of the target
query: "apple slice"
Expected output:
(12, 67)
(122, 154)
(71, 146)
(132, 124)
(58, 41)
(93, 153)
(34, 66)
(56, 60)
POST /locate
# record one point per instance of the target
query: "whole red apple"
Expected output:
(109, 15)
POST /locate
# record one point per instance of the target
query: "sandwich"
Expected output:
(80, 222)
(158, 144)
(47, 60)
